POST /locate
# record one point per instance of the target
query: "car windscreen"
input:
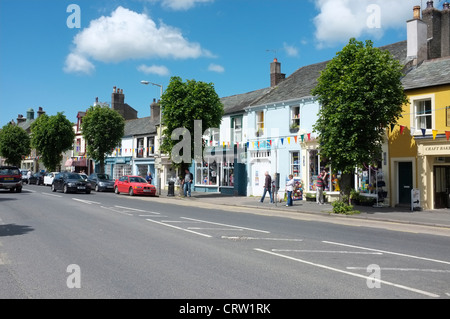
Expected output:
(103, 176)
(9, 171)
(74, 176)
(137, 180)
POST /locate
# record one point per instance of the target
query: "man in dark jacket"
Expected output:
(267, 188)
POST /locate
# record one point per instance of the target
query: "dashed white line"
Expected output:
(52, 195)
(327, 251)
(116, 211)
(389, 252)
(179, 228)
(259, 238)
(86, 201)
(212, 223)
(426, 293)
(403, 269)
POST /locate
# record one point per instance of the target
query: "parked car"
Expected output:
(101, 182)
(10, 178)
(84, 176)
(134, 185)
(48, 178)
(24, 173)
(70, 182)
(37, 178)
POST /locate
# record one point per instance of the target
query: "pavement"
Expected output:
(434, 218)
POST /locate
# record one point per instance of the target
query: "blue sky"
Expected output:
(230, 43)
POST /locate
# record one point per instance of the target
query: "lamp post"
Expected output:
(160, 134)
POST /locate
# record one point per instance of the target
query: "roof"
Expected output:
(237, 103)
(430, 73)
(142, 126)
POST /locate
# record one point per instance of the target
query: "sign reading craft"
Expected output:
(436, 150)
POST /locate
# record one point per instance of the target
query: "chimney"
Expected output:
(40, 111)
(432, 17)
(445, 25)
(417, 38)
(30, 114)
(20, 119)
(276, 77)
(155, 109)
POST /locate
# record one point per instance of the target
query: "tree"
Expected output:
(183, 103)
(14, 144)
(361, 94)
(51, 136)
(103, 129)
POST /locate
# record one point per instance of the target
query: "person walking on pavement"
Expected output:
(149, 177)
(187, 183)
(267, 188)
(289, 190)
(319, 187)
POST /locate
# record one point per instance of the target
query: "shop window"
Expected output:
(316, 165)
(227, 175)
(207, 173)
(295, 164)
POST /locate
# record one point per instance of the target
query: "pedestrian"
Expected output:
(319, 187)
(267, 187)
(290, 190)
(149, 177)
(187, 183)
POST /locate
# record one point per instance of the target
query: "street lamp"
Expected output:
(160, 135)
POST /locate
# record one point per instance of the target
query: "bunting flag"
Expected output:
(309, 136)
(392, 127)
(282, 140)
(248, 144)
(424, 131)
(413, 130)
(402, 129)
(434, 134)
(302, 137)
(447, 133)
(289, 140)
(295, 138)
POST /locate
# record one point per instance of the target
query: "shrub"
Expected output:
(341, 207)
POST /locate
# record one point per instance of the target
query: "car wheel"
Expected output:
(18, 189)
(116, 190)
(53, 188)
(65, 189)
(88, 192)
(131, 191)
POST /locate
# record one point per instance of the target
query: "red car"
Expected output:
(134, 185)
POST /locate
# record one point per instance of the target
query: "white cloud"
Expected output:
(182, 4)
(216, 68)
(128, 35)
(154, 69)
(290, 50)
(339, 20)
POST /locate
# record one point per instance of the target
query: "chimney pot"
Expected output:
(446, 6)
(416, 12)
(430, 4)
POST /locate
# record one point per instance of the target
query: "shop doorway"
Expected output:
(405, 182)
(441, 187)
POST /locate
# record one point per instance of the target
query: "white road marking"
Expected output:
(86, 201)
(402, 269)
(226, 229)
(136, 210)
(259, 238)
(53, 195)
(29, 190)
(116, 211)
(212, 223)
(389, 252)
(327, 251)
(179, 228)
(148, 215)
(429, 294)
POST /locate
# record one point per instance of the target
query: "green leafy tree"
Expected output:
(51, 136)
(103, 129)
(14, 144)
(361, 94)
(183, 103)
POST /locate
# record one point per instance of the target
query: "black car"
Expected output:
(70, 183)
(101, 182)
(37, 178)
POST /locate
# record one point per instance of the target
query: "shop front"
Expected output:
(434, 171)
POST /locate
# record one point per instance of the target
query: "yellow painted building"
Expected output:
(419, 145)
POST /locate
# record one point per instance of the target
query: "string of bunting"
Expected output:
(424, 131)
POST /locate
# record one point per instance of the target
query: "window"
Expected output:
(295, 118)
(151, 146)
(260, 123)
(295, 164)
(207, 173)
(424, 114)
(237, 129)
(140, 148)
(227, 174)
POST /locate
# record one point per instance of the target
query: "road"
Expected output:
(103, 245)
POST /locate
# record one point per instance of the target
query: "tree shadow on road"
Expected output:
(14, 230)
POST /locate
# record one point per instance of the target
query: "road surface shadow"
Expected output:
(14, 230)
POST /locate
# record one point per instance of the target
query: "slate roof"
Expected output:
(237, 103)
(142, 126)
(429, 73)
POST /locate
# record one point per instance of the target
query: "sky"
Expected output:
(63, 54)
